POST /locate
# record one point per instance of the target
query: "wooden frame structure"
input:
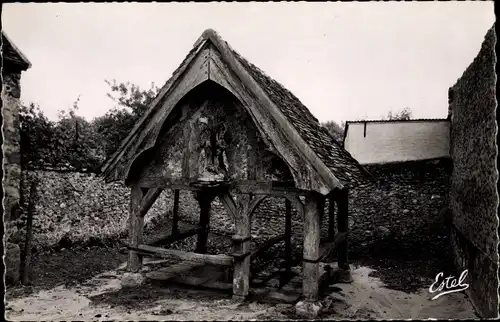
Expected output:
(221, 128)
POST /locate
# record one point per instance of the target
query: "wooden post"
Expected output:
(343, 227)
(241, 249)
(312, 234)
(175, 213)
(331, 218)
(29, 233)
(288, 236)
(136, 227)
(205, 199)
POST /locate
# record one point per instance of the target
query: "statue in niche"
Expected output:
(213, 156)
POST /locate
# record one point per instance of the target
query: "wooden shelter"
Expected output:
(222, 128)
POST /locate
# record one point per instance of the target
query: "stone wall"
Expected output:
(403, 212)
(473, 192)
(11, 93)
(404, 205)
(78, 207)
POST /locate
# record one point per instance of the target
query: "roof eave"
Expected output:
(27, 63)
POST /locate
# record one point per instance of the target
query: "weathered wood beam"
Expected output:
(229, 203)
(310, 281)
(331, 217)
(192, 184)
(256, 187)
(175, 212)
(297, 203)
(322, 206)
(285, 188)
(149, 199)
(203, 283)
(268, 243)
(29, 234)
(174, 237)
(204, 199)
(328, 247)
(136, 228)
(241, 248)
(288, 234)
(254, 203)
(220, 260)
(343, 227)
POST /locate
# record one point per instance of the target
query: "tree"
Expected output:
(336, 130)
(132, 103)
(79, 147)
(37, 139)
(72, 142)
(404, 114)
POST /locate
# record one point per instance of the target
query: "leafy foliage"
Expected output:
(336, 130)
(118, 122)
(404, 114)
(74, 143)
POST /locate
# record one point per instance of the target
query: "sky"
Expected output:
(344, 61)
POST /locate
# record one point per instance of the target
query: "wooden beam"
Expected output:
(297, 203)
(220, 260)
(331, 217)
(343, 227)
(136, 228)
(268, 243)
(310, 280)
(228, 203)
(288, 234)
(241, 247)
(204, 200)
(203, 283)
(254, 203)
(328, 247)
(174, 237)
(256, 187)
(154, 106)
(274, 188)
(29, 233)
(175, 213)
(192, 184)
(149, 199)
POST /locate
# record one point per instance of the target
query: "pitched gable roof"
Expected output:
(334, 167)
(11, 55)
(338, 160)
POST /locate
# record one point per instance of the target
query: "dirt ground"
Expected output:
(84, 284)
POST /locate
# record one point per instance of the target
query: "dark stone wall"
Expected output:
(11, 93)
(473, 191)
(403, 212)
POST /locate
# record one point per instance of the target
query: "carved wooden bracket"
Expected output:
(297, 203)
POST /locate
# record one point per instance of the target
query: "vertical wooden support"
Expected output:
(175, 213)
(288, 235)
(29, 234)
(312, 234)
(241, 249)
(136, 227)
(343, 227)
(331, 218)
(205, 199)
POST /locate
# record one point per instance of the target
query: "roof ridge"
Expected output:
(387, 121)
